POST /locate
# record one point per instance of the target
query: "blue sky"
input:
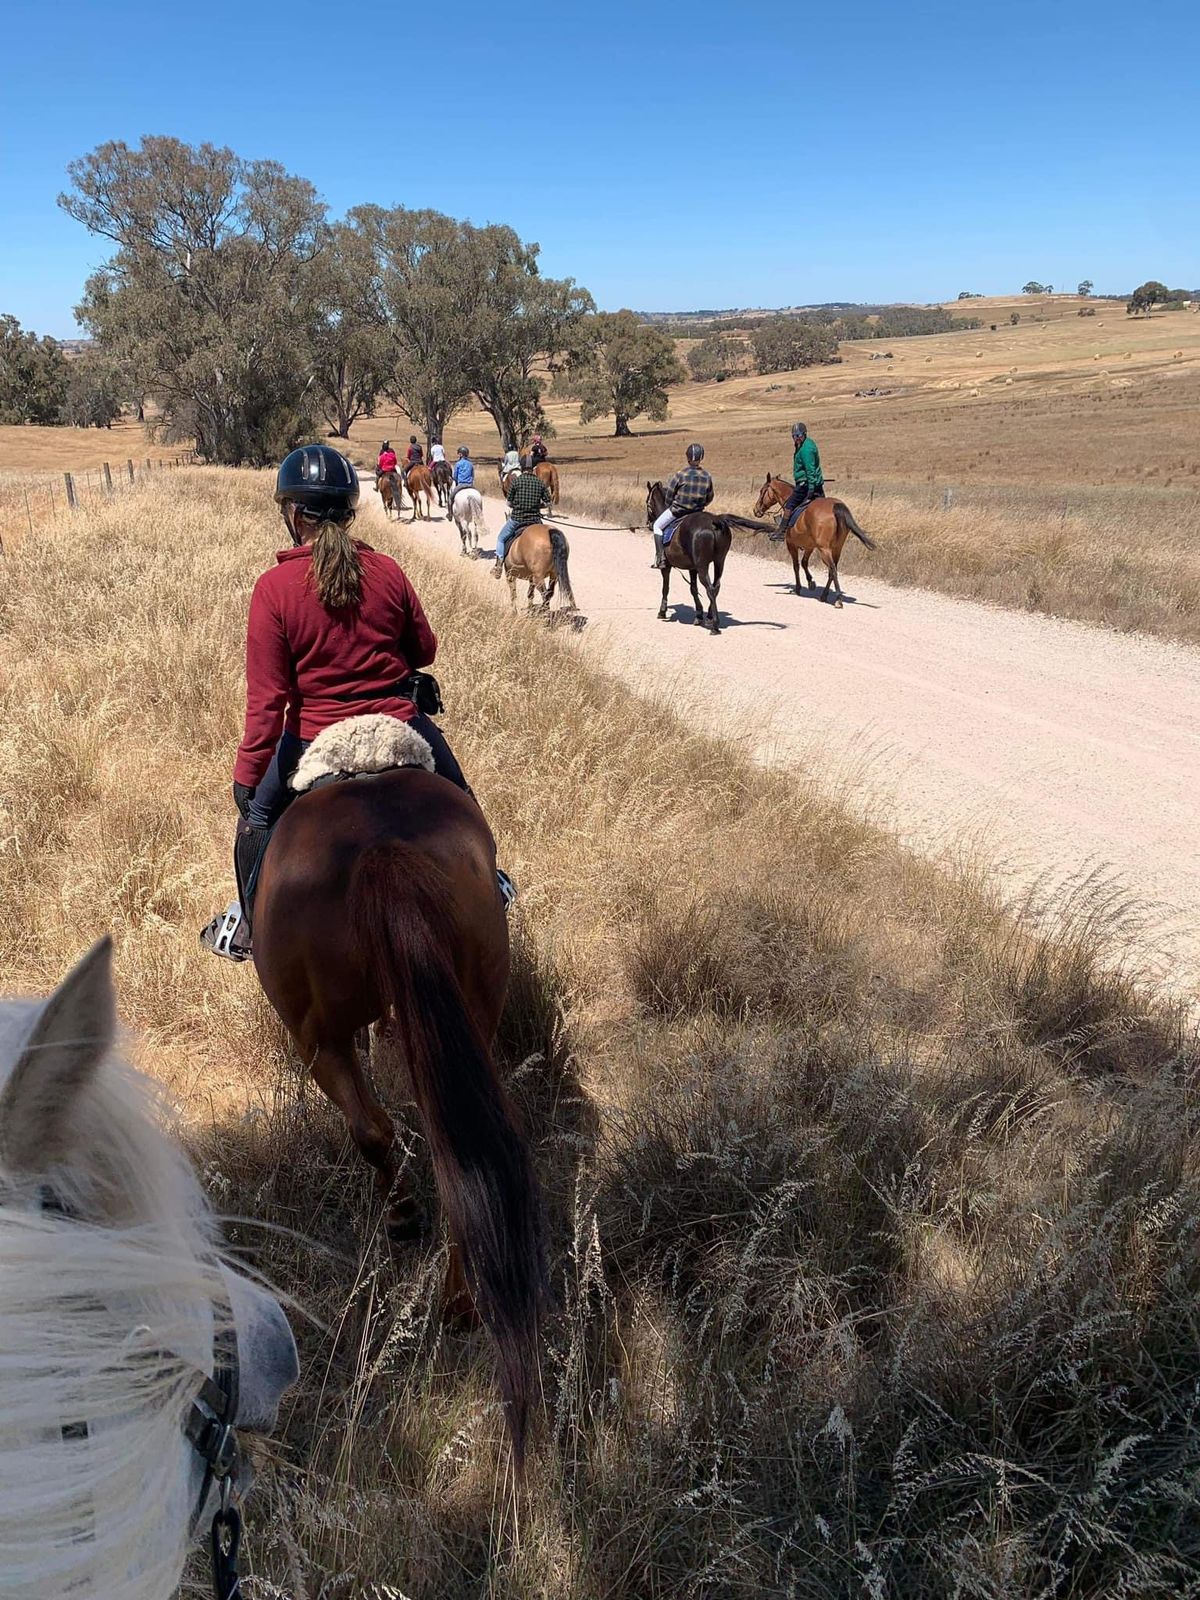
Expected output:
(667, 156)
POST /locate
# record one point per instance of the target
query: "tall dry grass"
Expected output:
(874, 1213)
(1126, 559)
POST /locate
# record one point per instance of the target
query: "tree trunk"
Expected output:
(621, 431)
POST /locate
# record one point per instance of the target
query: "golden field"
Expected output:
(873, 1210)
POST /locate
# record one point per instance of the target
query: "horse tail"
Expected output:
(558, 560)
(481, 1161)
(748, 523)
(845, 521)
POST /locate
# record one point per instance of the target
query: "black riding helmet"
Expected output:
(695, 453)
(318, 478)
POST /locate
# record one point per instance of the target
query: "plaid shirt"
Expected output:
(690, 490)
(526, 497)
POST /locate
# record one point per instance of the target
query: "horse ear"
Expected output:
(73, 1033)
(649, 486)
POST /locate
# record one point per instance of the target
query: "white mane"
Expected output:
(107, 1299)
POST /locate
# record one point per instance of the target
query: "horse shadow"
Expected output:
(684, 611)
(815, 594)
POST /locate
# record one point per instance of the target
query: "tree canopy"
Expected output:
(205, 303)
(34, 375)
(623, 369)
(785, 343)
(1147, 296)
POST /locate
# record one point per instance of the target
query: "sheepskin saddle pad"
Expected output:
(361, 745)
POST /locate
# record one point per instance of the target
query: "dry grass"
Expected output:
(874, 1214)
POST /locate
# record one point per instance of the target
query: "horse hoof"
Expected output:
(837, 605)
(662, 616)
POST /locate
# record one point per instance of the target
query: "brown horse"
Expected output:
(822, 526)
(539, 555)
(442, 477)
(388, 486)
(548, 473)
(377, 903)
(419, 483)
(699, 544)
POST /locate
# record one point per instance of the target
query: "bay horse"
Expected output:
(387, 485)
(538, 554)
(377, 902)
(821, 526)
(699, 544)
(419, 484)
(129, 1345)
(443, 478)
(548, 473)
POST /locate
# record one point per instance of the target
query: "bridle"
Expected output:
(210, 1427)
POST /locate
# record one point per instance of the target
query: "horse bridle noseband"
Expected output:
(210, 1427)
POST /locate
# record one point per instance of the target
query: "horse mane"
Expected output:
(107, 1314)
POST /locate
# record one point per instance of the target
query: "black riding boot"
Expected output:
(660, 555)
(249, 846)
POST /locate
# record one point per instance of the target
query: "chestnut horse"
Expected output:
(377, 902)
(539, 554)
(699, 544)
(548, 473)
(419, 482)
(442, 477)
(821, 526)
(388, 487)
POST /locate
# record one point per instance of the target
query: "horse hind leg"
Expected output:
(338, 1072)
(698, 619)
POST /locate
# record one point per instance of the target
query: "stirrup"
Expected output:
(508, 889)
(221, 931)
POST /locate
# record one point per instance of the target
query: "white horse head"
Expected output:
(113, 1303)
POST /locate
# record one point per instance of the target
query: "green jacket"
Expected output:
(806, 466)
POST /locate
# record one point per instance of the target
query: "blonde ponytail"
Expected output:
(336, 567)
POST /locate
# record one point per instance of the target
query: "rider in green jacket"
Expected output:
(806, 472)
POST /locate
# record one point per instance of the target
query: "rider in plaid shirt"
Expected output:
(527, 495)
(687, 491)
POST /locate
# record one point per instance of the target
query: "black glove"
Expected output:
(243, 793)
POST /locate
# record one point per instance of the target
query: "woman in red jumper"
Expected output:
(334, 629)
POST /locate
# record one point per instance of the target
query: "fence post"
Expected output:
(107, 478)
(129, 464)
(147, 463)
(947, 499)
(28, 513)
(70, 483)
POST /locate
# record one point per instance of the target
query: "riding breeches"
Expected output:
(664, 523)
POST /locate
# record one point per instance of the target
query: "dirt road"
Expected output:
(1050, 747)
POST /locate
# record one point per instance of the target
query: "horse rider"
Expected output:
(334, 630)
(806, 474)
(537, 451)
(690, 489)
(385, 467)
(527, 496)
(464, 474)
(437, 452)
(511, 463)
(414, 456)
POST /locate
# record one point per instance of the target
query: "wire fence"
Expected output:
(27, 497)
